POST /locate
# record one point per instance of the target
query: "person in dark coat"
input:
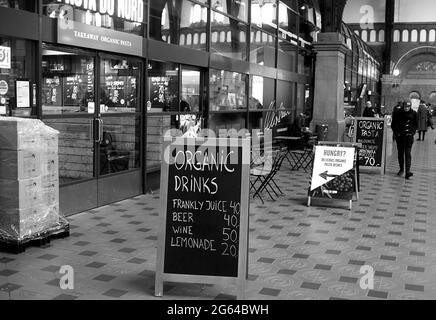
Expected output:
(422, 121)
(395, 110)
(369, 111)
(404, 126)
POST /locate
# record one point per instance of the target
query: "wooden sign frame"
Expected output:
(382, 168)
(240, 280)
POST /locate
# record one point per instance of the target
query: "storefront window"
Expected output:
(287, 56)
(17, 78)
(263, 48)
(119, 86)
(262, 93)
(222, 123)
(227, 90)
(231, 39)
(179, 22)
(163, 86)
(264, 14)
(68, 82)
(235, 8)
(125, 16)
(19, 4)
(190, 90)
(288, 19)
(285, 95)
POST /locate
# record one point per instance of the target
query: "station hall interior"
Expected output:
(111, 78)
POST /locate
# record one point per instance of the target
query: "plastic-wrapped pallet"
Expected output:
(29, 180)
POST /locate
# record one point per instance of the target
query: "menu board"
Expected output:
(204, 196)
(371, 134)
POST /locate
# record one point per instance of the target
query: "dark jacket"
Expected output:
(405, 123)
(369, 112)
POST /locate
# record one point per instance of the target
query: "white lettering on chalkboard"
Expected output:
(193, 243)
(195, 184)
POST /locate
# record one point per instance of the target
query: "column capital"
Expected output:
(330, 41)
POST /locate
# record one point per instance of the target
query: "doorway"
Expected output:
(94, 101)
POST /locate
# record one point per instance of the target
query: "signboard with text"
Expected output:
(204, 217)
(334, 173)
(371, 133)
(87, 36)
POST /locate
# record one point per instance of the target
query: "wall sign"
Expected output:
(23, 93)
(4, 87)
(372, 134)
(204, 217)
(132, 10)
(334, 174)
(5, 57)
(83, 35)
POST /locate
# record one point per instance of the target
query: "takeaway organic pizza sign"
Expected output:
(333, 173)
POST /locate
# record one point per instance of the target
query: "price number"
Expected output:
(231, 231)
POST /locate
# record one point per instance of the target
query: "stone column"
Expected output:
(329, 84)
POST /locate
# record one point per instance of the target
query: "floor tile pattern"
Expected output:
(295, 252)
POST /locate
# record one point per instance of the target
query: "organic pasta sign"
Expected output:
(132, 10)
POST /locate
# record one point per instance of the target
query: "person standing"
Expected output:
(395, 110)
(404, 126)
(422, 121)
(369, 111)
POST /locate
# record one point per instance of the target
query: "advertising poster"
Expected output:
(333, 173)
(23, 94)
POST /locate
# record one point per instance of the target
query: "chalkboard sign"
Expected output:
(204, 211)
(371, 134)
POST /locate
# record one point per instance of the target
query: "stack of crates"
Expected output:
(29, 179)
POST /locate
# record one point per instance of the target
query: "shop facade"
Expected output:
(114, 76)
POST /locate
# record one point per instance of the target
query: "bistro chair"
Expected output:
(111, 159)
(264, 175)
(301, 152)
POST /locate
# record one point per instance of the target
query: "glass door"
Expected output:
(120, 126)
(68, 105)
(94, 101)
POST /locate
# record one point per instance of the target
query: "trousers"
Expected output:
(404, 146)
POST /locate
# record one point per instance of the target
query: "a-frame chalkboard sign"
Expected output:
(204, 205)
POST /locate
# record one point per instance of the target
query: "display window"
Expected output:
(18, 90)
(227, 91)
(119, 86)
(67, 82)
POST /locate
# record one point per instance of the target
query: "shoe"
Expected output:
(409, 175)
(400, 173)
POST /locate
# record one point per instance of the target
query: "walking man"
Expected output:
(404, 126)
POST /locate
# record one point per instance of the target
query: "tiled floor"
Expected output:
(295, 252)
